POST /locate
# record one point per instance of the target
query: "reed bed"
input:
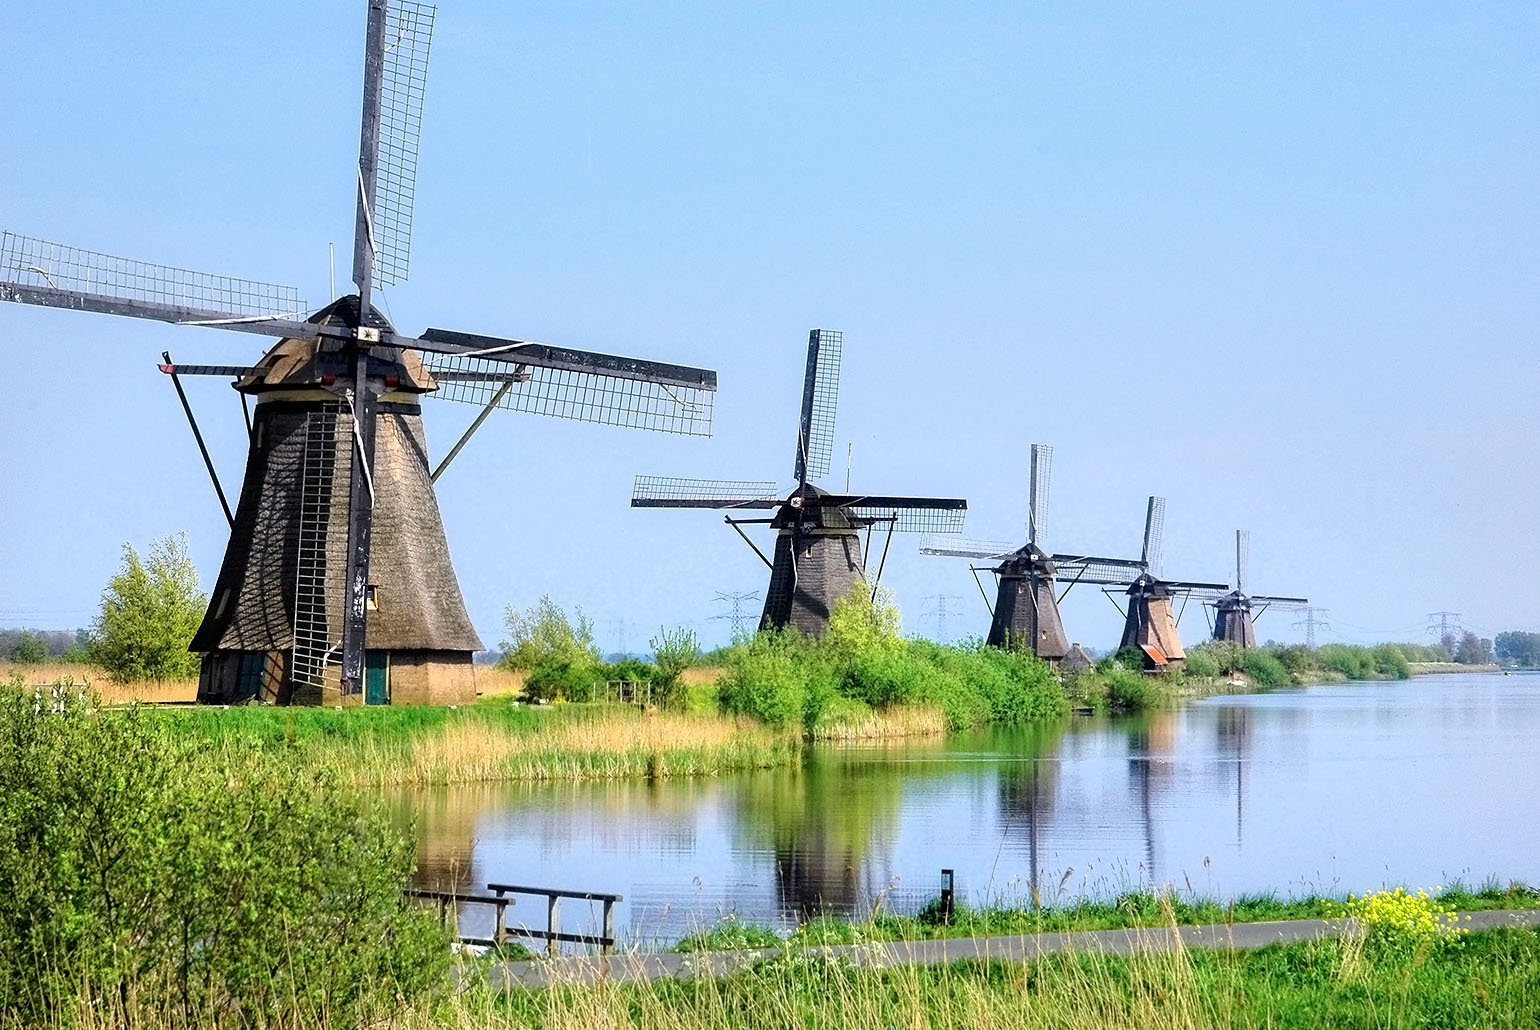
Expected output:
(882, 724)
(489, 743)
(176, 691)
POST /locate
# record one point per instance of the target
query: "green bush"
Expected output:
(29, 649)
(766, 679)
(564, 679)
(1202, 664)
(1264, 668)
(1390, 662)
(145, 871)
(546, 634)
(673, 651)
(1131, 691)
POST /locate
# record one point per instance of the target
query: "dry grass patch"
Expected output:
(898, 721)
(472, 748)
(110, 691)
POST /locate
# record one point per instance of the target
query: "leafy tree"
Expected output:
(1518, 647)
(1473, 650)
(673, 651)
(863, 620)
(546, 634)
(150, 611)
(29, 649)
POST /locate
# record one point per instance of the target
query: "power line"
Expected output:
(737, 615)
(1314, 619)
(1445, 625)
(940, 613)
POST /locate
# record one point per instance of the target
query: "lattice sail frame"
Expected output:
(673, 491)
(824, 406)
(38, 264)
(408, 36)
(1038, 492)
(567, 393)
(912, 519)
(1154, 531)
(982, 549)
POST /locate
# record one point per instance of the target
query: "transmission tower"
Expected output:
(736, 614)
(1312, 620)
(940, 613)
(1446, 625)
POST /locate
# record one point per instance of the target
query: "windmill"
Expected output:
(337, 561)
(1026, 609)
(1149, 624)
(1233, 616)
(818, 554)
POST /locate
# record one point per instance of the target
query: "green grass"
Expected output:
(1485, 980)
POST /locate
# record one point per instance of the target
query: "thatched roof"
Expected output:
(295, 363)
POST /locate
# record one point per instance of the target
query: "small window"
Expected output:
(371, 599)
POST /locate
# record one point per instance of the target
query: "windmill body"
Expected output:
(1025, 614)
(818, 554)
(1235, 613)
(336, 586)
(1150, 621)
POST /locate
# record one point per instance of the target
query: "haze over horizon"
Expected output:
(1276, 265)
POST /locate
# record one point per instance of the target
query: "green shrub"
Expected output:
(1264, 668)
(29, 649)
(561, 679)
(766, 679)
(546, 634)
(632, 670)
(1297, 658)
(1390, 662)
(144, 870)
(1131, 691)
(1202, 664)
(673, 652)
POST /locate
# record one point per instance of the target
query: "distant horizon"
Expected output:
(1276, 265)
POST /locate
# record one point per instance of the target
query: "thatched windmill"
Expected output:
(1026, 610)
(1233, 616)
(818, 553)
(336, 585)
(1149, 623)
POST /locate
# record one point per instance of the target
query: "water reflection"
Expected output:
(1332, 788)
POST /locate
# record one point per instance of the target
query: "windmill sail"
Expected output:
(982, 549)
(34, 271)
(820, 402)
(907, 514)
(670, 492)
(408, 35)
(1154, 530)
(1037, 492)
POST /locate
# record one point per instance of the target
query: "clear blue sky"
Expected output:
(1275, 262)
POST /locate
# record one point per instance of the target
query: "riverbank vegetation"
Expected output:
(1135, 910)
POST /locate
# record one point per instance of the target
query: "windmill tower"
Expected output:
(1233, 616)
(1026, 609)
(1149, 624)
(336, 586)
(818, 554)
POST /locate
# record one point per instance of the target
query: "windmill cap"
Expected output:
(802, 507)
(298, 363)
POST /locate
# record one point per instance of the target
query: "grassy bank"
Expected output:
(385, 747)
(1489, 979)
(1129, 911)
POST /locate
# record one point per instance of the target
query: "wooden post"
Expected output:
(500, 930)
(551, 945)
(609, 927)
(948, 897)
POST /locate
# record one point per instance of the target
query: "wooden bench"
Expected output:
(500, 901)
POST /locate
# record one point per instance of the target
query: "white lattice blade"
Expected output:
(954, 548)
(35, 264)
(670, 490)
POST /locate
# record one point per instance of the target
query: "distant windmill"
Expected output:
(1149, 624)
(1233, 616)
(336, 543)
(1026, 610)
(818, 554)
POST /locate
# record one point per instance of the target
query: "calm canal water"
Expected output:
(1323, 789)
